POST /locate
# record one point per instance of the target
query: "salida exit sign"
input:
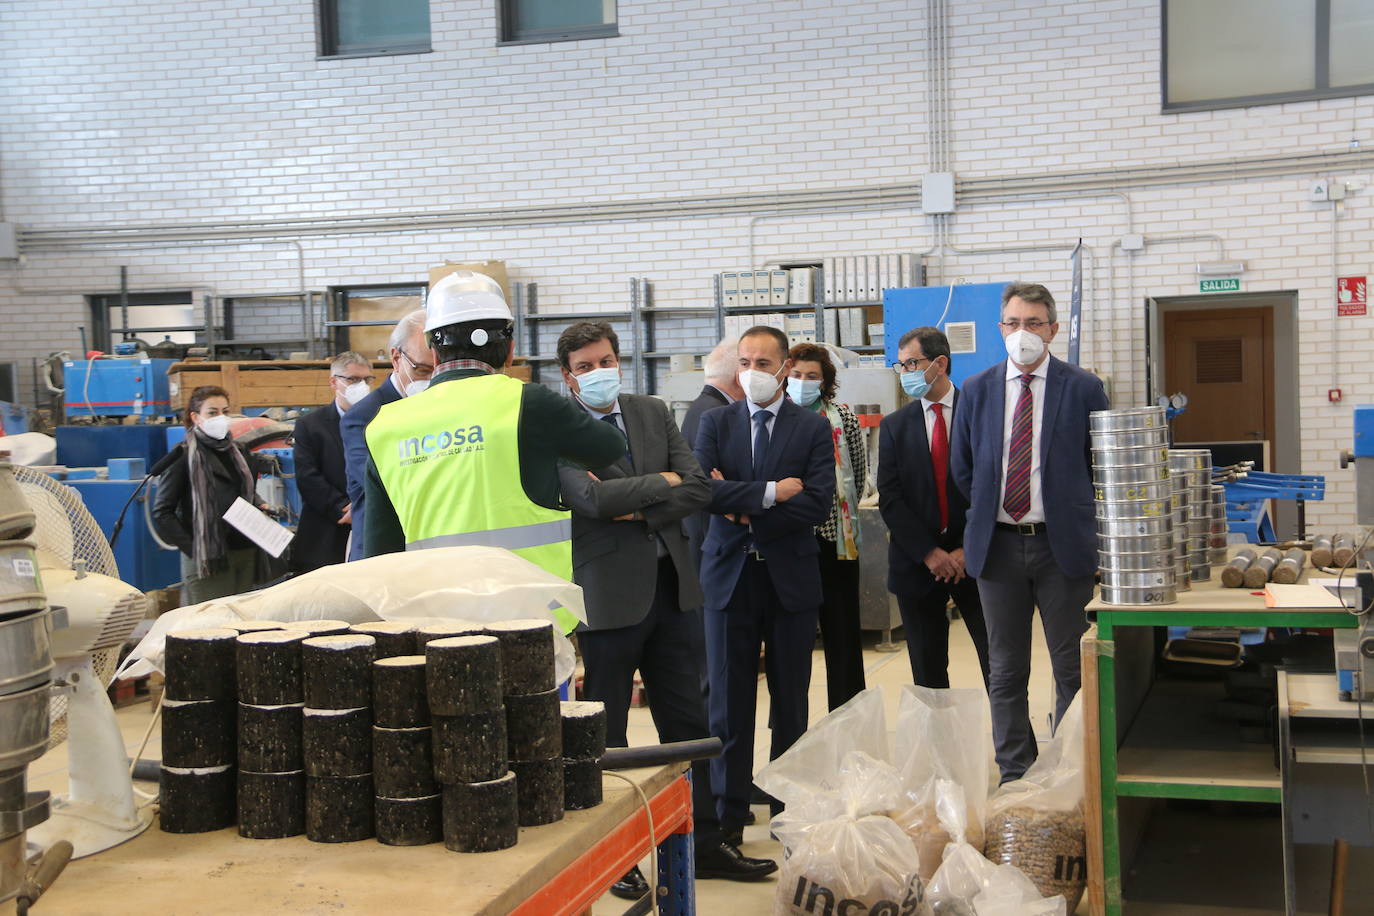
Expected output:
(1220, 285)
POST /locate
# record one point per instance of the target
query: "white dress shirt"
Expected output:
(770, 489)
(946, 410)
(1037, 387)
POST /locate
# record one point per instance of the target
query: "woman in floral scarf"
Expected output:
(812, 385)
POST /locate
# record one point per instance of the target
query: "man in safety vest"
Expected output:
(473, 459)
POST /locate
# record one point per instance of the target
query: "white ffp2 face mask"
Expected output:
(356, 392)
(758, 386)
(216, 427)
(1024, 347)
(415, 387)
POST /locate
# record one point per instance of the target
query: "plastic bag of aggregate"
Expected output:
(810, 769)
(943, 742)
(1036, 823)
(839, 857)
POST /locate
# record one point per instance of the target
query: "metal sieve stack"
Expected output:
(1216, 534)
(1134, 505)
(1196, 465)
(1182, 566)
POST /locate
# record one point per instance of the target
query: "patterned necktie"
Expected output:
(610, 418)
(1017, 500)
(761, 419)
(939, 462)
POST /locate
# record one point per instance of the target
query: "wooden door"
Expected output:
(1223, 360)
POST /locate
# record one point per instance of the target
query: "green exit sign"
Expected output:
(1220, 285)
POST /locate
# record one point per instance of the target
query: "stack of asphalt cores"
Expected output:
(463, 678)
(271, 694)
(584, 741)
(408, 806)
(337, 737)
(198, 731)
(534, 727)
(394, 637)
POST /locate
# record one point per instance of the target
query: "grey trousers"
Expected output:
(1019, 575)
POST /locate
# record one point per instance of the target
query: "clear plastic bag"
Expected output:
(1036, 823)
(943, 742)
(811, 767)
(851, 865)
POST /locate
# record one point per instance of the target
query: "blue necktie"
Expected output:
(761, 419)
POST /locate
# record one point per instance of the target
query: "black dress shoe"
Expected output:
(750, 818)
(726, 861)
(631, 885)
(733, 837)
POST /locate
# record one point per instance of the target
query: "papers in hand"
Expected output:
(257, 527)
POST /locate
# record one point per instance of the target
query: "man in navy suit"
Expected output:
(924, 511)
(1020, 455)
(326, 514)
(772, 469)
(412, 363)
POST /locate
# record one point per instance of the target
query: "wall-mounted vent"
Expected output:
(1219, 361)
(963, 337)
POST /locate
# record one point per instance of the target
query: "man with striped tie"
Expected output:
(1019, 453)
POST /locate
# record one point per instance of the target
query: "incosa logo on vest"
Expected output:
(460, 441)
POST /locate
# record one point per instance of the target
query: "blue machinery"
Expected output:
(118, 387)
(1247, 509)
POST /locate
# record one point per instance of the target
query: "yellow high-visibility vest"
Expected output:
(449, 458)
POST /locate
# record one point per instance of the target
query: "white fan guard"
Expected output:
(65, 531)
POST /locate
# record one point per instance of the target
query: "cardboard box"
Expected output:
(747, 296)
(729, 288)
(494, 269)
(801, 285)
(777, 287)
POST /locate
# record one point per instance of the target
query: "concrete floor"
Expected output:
(1194, 861)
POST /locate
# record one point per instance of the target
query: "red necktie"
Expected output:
(939, 462)
(1017, 500)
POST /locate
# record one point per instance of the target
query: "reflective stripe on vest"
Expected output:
(449, 458)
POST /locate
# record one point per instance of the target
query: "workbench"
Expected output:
(555, 870)
(1161, 742)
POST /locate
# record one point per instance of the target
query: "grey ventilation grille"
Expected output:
(962, 337)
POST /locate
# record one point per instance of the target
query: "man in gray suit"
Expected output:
(631, 557)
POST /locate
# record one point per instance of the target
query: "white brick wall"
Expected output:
(118, 112)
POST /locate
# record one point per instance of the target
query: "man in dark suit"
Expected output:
(412, 363)
(924, 511)
(631, 557)
(722, 387)
(1020, 454)
(772, 469)
(321, 476)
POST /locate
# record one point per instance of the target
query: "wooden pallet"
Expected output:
(274, 383)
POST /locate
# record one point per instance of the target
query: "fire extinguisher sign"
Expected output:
(1351, 295)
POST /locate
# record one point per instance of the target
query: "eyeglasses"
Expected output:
(422, 370)
(908, 365)
(355, 379)
(1030, 324)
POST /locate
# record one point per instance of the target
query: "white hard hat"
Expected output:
(465, 296)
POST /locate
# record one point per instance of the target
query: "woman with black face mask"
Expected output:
(211, 471)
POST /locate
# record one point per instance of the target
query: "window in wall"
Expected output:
(531, 21)
(369, 28)
(1233, 53)
(153, 317)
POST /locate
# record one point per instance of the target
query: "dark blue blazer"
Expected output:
(1065, 469)
(908, 502)
(353, 428)
(800, 446)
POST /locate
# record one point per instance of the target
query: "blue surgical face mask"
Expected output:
(804, 390)
(915, 384)
(599, 388)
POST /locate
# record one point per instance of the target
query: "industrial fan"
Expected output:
(79, 573)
